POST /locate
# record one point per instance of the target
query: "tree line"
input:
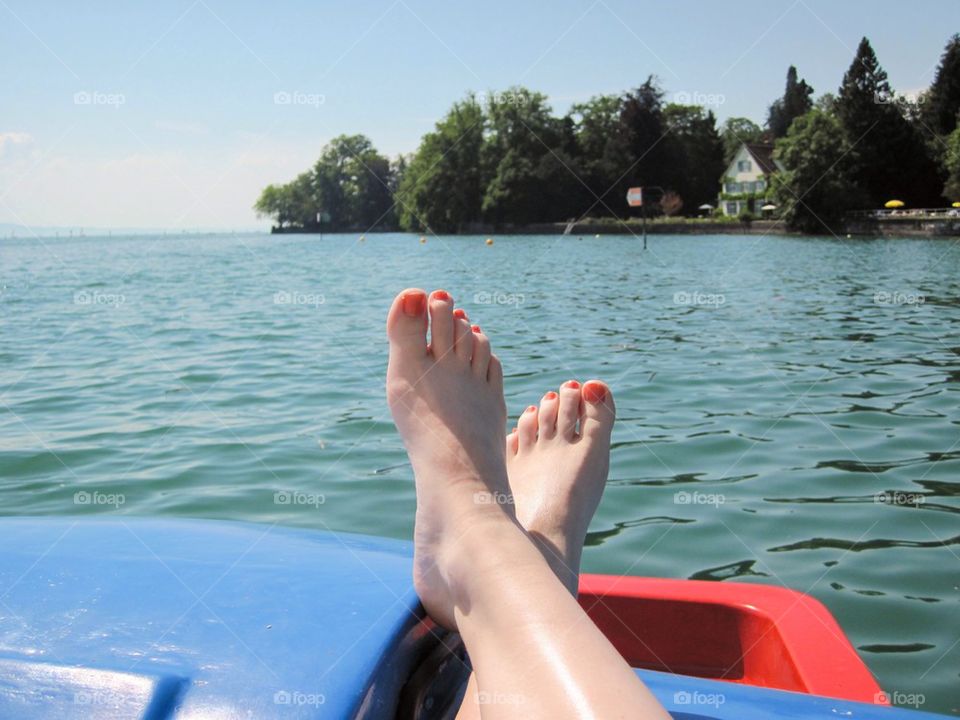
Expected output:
(506, 159)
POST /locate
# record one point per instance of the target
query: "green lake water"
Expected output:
(789, 408)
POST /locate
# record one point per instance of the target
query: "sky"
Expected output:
(176, 114)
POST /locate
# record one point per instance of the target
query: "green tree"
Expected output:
(351, 183)
(816, 186)
(942, 103)
(951, 190)
(647, 158)
(599, 152)
(738, 130)
(526, 153)
(889, 157)
(441, 187)
(794, 103)
(697, 152)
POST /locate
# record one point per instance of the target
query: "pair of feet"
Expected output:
(447, 401)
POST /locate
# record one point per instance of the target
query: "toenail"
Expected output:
(441, 295)
(414, 303)
(594, 392)
(532, 408)
(460, 313)
(572, 384)
(550, 396)
(475, 328)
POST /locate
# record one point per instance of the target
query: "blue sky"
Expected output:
(165, 114)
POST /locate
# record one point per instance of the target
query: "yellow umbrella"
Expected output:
(956, 204)
(893, 204)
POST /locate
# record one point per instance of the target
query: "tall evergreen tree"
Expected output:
(942, 102)
(889, 157)
(796, 101)
(736, 131)
(697, 150)
(643, 134)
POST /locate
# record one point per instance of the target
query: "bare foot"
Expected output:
(557, 461)
(447, 402)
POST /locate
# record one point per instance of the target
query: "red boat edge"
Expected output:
(758, 635)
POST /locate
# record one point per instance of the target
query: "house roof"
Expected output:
(763, 154)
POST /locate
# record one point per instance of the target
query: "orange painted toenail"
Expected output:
(441, 295)
(550, 396)
(572, 384)
(532, 408)
(475, 328)
(594, 392)
(414, 304)
(460, 313)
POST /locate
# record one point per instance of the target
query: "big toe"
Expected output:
(598, 410)
(407, 324)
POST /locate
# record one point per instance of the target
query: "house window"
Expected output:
(744, 166)
(733, 187)
(761, 185)
(731, 208)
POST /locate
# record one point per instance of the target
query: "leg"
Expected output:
(535, 652)
(557, 462)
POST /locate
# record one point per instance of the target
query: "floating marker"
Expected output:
(363, 238)
(423, 239)
(489, 241)
(597, 235)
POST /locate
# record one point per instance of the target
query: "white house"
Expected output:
(744, 183)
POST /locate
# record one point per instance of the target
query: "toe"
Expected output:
(441, 323)
(569, 411)
(463, 339)
(513, 443)
(527, 428)
(407, 323)
(547, 419)
(481, 352)
(599, 411)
